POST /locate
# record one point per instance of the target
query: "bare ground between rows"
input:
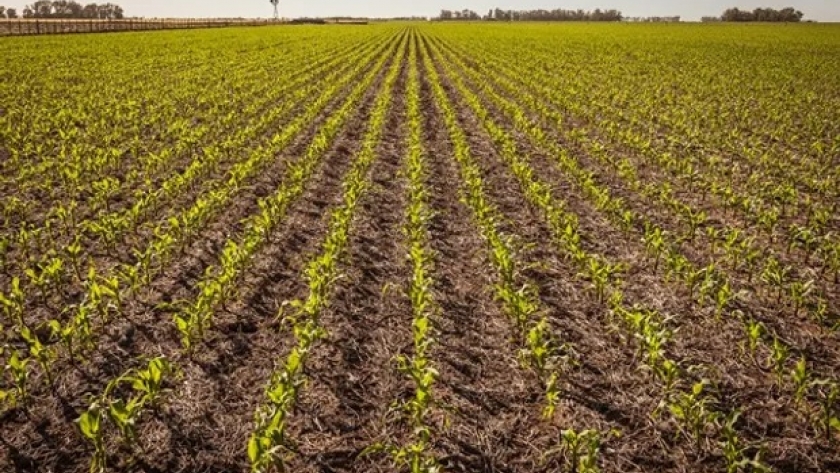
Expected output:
(487, 404)
(150, 136)
(661, 132)
(129, 161)
(605, 391)
(768, 416)
(191, 432)
(105, 260)
(812, 339)
(353, 380)
(652, 173)
(819, 345)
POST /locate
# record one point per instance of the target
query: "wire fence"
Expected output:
(40, 26)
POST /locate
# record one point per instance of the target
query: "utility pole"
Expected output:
(276, 11)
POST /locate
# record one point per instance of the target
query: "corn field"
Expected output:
(421, 248)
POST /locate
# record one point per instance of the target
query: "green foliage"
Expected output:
(268, 441)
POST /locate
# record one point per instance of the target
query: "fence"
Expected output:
(36, 26)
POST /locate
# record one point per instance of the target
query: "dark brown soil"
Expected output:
(487, 410)
(353, 381)
(222, 384)
(701, 340)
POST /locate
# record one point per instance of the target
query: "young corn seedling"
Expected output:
(799, 293)
(13, 304)
(581, 450)
(695, 219)
(103, 294)
(601, 274)
(803, 237)
(144, 261)
(709, 283)
(668, 372)
(124, 416)
(801, 378)
(723, 297)
(24, 242)
(90, 424)
(187, 324)
(539, 351)
(754, 331)
(74, 253)
(47, 275)
(17, 367)
(778, 358)
(768, 220)
(83, 327)
(149, 381)
(43, 355)
(424, 378)
(752, 257)
(65, 333)
(693, 412)
(775, 276)
(266, 442)
(553, 392)
(732, 247)
(133, 277)
(714, 234)
(414, 457)
(735, 453)
(4, 251)
(678, 266)
(828, 393)
(66, 214)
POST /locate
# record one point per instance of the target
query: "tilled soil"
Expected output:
(487, 412)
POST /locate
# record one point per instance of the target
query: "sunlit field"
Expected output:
(421, 248)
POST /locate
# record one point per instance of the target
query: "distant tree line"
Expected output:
(357, 20)
(654, 19)
(8, 12)
(531, 15)
(67, 9)
(785, 15)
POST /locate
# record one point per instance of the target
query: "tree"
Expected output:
(90, 11)
(67, 9)
(11, 13)
(42, 9)
(109, 11)
(762, 14)
(72, 9)
(535, 15)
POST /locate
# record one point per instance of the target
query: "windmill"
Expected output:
(276, 12)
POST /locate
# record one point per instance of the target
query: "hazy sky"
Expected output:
(821, 10)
